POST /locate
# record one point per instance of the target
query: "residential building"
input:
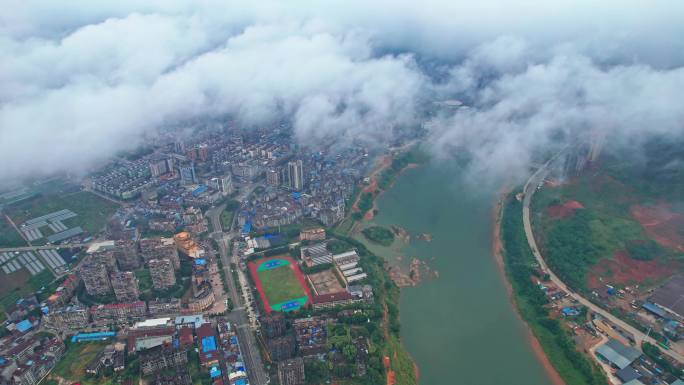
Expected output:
(106, 258)
(329, 301)
(291, 372)
(166, 306)
(125, 286)
(274, 325)
(156, 248)
(31, 369)
(295, 175)
(223, 184)
(118, 313)
(162, 273)
(281, 348)
(96, 278)
(68, 318)
(187, 245)
(187, 174)
(273, 177)
(162, 357)
(65, 291)
(126, 254)
(317, 234)
(206, 339)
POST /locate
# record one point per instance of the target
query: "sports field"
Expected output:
(280, 283)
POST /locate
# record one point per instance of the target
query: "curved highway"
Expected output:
(528, 191)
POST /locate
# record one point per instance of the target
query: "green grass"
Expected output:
(144, 279)
(77, 355)
(9, 237)
(379, 235)
(20, 284)
(280, 284)
(44, 278)
(226, 219)
(93, 211)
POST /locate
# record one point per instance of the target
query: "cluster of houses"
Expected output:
(26, 356)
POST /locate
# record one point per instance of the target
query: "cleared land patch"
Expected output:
(325, 282)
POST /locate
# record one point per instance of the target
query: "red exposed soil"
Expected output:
(661, 224)
(621, 269)
(564, 210)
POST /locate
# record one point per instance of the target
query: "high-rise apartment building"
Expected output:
(187, 174)
(125, 286)
(126, 254)
(156, 248)
(295, 175)
(162, 272)
(291, 372)
(96, 278)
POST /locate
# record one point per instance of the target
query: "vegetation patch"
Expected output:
(93, 211)
(574, 367)
(379, 234)
(644, 250)
(9, 237)
(77, 355)
(144, 279)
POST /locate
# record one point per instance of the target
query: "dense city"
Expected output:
(211, 265)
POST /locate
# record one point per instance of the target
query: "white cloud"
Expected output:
(84, 79)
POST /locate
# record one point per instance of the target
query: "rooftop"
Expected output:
(618, 354)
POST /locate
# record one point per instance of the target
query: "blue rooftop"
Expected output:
(247, 228)
(208, 344)
(199, 190)
(214, 372)
(200, 261)
(24, 325)
(92, 336)
(653, 308)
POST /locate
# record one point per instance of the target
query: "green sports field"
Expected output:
(280, 284)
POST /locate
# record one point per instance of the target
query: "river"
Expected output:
(460, 328)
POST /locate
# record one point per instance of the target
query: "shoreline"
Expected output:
(497, 247)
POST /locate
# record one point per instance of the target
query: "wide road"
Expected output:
(529, 190)
(44, 247)
(238, 316)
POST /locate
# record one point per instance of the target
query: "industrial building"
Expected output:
(616, 354)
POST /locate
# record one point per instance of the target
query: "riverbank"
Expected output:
(497, 252)
(555, 338)
(380, 179)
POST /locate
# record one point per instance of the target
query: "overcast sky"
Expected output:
(82, 79)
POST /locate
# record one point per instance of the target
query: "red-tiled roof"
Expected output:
(127, 305)
(332, 297)
(205, 330)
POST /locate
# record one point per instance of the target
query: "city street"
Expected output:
(238, 317)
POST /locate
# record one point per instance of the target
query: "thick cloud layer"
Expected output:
(82, 80)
